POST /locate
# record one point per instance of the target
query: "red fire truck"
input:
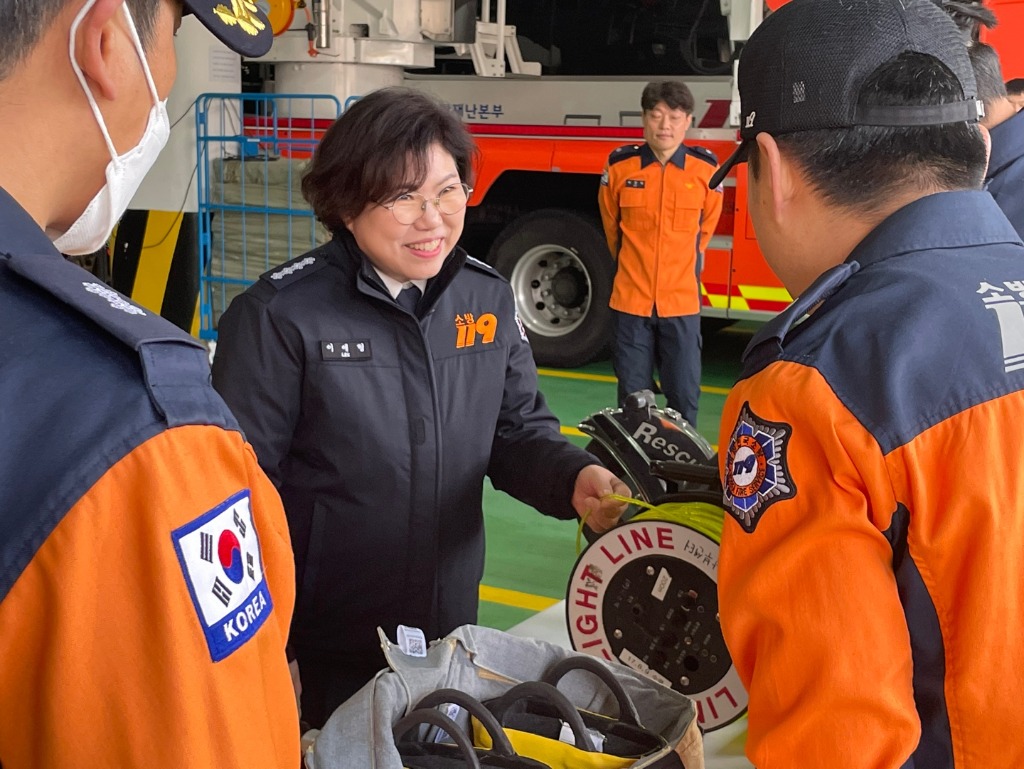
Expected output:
(545, 123)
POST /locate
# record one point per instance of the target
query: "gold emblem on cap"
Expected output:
(242, 13)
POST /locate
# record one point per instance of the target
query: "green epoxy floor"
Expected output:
(532, 554)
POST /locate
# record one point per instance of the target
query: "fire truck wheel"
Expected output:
(561, 273)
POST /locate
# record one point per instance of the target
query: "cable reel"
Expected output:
(647, 447)
(645, 593)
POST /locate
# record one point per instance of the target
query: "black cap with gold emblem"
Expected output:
(239, 24)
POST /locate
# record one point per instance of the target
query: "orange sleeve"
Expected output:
(608, 202)
(808, 598)
(712, 212)
(114, 668)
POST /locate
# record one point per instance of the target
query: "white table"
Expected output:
(723, 748)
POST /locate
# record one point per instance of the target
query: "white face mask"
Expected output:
(124, 172)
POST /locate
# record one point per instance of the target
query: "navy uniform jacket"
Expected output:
(379, 427)
(1005, 179)
(146, 583)
(870, 579)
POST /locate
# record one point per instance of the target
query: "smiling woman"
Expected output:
(381, 378)
(408, 238)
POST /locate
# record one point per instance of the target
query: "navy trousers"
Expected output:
(671, 346)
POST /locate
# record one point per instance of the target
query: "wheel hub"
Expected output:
(552, 289)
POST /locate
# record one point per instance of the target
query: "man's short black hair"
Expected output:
(1015, 86)
(22, 24)
(378, 149)
(862, 167)
(675, 94)
(987, 73)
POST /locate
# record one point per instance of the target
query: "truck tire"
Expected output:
(561, 273)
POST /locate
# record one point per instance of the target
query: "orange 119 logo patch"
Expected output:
(469, 328)
(756, 471)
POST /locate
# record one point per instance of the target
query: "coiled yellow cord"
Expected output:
(702, 517)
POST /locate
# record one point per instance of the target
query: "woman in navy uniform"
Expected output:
(381, 378)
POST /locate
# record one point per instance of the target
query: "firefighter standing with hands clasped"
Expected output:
(659, 215)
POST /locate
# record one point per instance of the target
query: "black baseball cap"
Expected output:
(805, 65)
(240, 24)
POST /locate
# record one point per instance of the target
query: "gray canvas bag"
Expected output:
(485, 663)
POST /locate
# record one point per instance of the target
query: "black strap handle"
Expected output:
(540, 690)
(627, 710)
(440, 720)
(500, 741)
(687, 471)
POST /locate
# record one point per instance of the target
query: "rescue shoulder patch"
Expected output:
(756, 471)
(294, 270)
(703, 153)
(220, 557)
(623, 153)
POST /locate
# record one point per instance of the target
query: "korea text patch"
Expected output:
(756, 471)
(221, 560)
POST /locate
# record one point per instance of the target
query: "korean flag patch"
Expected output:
(220, 556)
(756, 471)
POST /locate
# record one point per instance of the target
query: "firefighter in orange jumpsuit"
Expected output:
(659, 215)
(870, 586)
(146, 577)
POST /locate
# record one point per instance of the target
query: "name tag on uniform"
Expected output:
(637, 184)
(220, 556)
(353, 349)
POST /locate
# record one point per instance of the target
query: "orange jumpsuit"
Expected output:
(871, 579)
(146, 574)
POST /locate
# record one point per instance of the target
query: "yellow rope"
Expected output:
(702, 517)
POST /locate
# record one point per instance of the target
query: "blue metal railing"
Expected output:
(252, 150)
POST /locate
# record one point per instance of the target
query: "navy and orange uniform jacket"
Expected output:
(870, 579)
(658, 220)
(145, 567)
(1005, 177)
(379, 428)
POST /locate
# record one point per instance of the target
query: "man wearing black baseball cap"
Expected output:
(869, 579)
(146, 575)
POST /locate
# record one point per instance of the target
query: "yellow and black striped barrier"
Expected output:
(154, 259)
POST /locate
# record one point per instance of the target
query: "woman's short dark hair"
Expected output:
(379, 149)
(675, 94)
(862, 167)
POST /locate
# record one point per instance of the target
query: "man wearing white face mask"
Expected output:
(146, 577)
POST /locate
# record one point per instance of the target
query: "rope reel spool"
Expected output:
(647, 448)
(645, 593)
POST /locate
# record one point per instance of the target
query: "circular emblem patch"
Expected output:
(756, 472)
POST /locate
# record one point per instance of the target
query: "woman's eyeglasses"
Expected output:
(411, 206)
